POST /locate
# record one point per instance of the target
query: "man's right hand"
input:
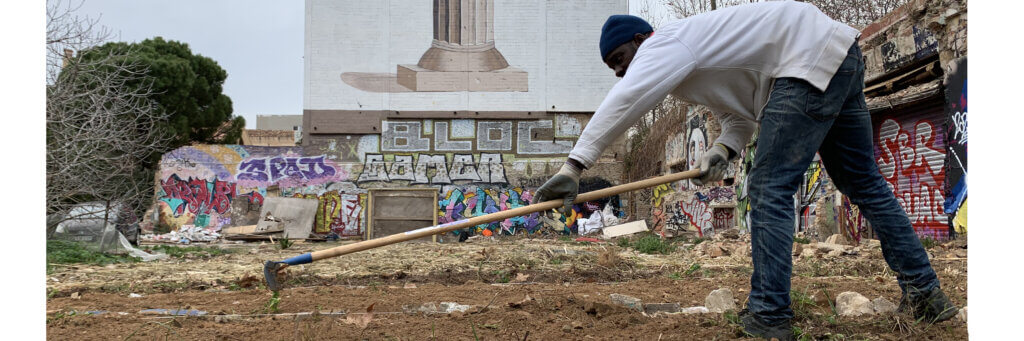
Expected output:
(564, 185)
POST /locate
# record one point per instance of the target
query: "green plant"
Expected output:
(503, 277)
(564, 238)
(622, 242)
(693, 268)
(271, 307)
(928, 242)
(802, 303)
(675, 276)
(802, 240)
(651, 244)
(68, 252)
(556, 260)
(698, 240)
(284, 243)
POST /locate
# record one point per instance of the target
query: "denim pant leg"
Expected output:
(786, 145)
(794, 123)
(848, 156)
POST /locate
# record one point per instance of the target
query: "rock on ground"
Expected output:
(654, 308)
(883, 306)
(962, 315)
(628, 301)
(853, 304)
(720, 300)
(837, 239)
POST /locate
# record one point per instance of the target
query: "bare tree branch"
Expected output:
(100, 125)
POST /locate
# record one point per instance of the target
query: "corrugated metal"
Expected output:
(911, 154)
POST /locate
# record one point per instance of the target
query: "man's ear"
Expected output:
(639, 38)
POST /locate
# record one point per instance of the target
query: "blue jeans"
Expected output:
(798, 121)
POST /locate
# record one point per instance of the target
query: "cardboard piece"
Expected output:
(292, 216)
(625, 229)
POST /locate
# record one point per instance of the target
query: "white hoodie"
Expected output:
(725, 60)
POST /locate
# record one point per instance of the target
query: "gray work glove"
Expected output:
(713, 165)
(564, 185)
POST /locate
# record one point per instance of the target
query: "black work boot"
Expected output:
(754, 326)
(930, 307)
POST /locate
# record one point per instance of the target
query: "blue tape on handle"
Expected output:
(300, 259)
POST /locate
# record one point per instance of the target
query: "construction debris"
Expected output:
(628, 302)
(625, 229)
(720, 300)
(850, 303)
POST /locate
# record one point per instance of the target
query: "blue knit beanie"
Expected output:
(620, 29)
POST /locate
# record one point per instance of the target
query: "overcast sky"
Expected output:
(258, 42)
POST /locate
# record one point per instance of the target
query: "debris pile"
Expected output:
(186, 234)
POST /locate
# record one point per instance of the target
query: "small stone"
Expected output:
(716, 251)
(628, 302)
(720, 300)
(960, 253)
(409, 286)
(567, 328)
(730, 234)
(134, 295)
(577, 325)
(449, 307)
(853, 304)
(962, 315)
(883, 306)
(654, 308)
(75, 295)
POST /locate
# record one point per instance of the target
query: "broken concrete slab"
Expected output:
(449, 307)
(655, 308)
(694, 310)
(850, 303)
(720, 300)
(628, 301)
(292, 216)
(624, 229)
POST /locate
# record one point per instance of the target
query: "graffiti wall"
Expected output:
(214, 186)
(477, 166)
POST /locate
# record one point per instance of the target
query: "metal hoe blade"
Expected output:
(270, 269)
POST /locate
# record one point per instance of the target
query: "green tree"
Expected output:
(187, 87)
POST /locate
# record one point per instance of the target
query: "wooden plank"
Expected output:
(239, 229)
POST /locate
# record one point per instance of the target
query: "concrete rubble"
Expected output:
(850, 303)
(720, 300)
(627, 301)
(882, 306)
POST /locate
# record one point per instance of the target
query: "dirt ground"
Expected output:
(511, 288)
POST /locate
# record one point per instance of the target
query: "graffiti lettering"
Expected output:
(960, 127)
(912, 164)
(197, 195)
(723, 219)
(527, 145)
(275, 169)
(699, 214)
(434, 169)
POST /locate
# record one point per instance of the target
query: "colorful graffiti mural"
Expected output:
(700, 216)
(339, 213)
(956, 147)
(457, 203)
(910, 155)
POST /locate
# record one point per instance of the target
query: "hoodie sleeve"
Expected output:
(661, 63)
(736, 130)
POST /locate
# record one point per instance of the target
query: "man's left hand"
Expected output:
(713, 165)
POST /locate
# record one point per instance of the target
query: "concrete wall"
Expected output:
(477, 167)
(278, 122)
